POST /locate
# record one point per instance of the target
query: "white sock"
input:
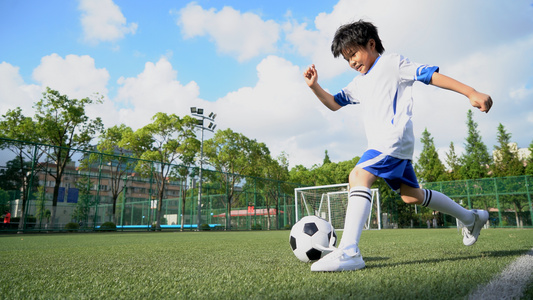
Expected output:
(440, 202)
(356, 215)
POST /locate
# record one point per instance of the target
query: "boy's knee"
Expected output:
(361, 177)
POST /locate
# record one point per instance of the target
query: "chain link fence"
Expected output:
(507, 199)
(97, 189)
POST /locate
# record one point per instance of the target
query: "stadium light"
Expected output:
(198, 113)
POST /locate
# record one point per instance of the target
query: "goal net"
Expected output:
(329, 202)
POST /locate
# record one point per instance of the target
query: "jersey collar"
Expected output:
(375, 62)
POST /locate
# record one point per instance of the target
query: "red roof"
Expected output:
(244, 212)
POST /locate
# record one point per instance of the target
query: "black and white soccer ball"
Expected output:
(310, 236)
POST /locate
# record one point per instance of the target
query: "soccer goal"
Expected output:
(329, 202)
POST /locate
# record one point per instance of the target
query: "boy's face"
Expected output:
(361, 58)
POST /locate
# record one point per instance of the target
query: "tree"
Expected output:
(301, 175)
(41, 212)
(24, 134)
(529, 160)
(429, 168)
(326, 159)
(12, 177)
(506, 161)
(85, 200)
(476, 159)
(113, 146)
(233, 155)
(65, 127)
(454, 164)
(333, 173)
(182, 173)
(167, 141)
(330, 173)
(4, 201)
(275, 171)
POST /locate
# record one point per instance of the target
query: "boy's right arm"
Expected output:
(311, 78)
(479, 100)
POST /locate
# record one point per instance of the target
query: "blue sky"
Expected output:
(33, 29)
(244, 60)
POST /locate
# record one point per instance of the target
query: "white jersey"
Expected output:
(386, 96)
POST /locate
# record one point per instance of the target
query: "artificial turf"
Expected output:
(401, 264)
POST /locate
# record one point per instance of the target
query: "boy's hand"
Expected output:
(311, 76)
(481, 101)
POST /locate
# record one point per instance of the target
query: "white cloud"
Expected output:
(154, 90)
(489, 50)
(14, 92)
(102, 21)
(497, 71)
(316, 46)
(521, 92)
(435, 32)
(281, 111)
(75, 76)
(243, 35)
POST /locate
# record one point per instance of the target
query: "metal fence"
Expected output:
(507, 199)
(96, 188)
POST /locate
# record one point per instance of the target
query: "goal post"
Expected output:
(330, 201)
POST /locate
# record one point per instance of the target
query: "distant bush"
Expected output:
(257, 227)
(288, 226)
(205, 227)
(108, 226)
(218, 227)
(72, 226)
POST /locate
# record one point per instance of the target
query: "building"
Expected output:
(97, 195)
(521, 153)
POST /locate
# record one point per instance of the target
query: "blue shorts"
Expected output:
(393, 170)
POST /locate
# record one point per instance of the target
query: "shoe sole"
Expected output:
(340, 269)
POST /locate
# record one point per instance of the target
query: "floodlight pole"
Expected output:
(199, 114)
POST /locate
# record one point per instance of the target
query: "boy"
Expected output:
(384, 90)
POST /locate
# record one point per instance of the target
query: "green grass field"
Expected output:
(401, 264)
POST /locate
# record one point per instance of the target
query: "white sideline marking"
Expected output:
(511, 283)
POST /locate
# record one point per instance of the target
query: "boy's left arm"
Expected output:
(477, 99)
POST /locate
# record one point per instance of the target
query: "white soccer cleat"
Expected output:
(341, 259)
(325, 250)
(470, 235)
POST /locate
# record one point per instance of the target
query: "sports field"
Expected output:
(401, 264)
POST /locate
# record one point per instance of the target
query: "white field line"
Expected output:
(511, 283)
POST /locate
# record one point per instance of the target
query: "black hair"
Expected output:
(355, 34)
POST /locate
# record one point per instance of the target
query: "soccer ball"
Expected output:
(309, 236)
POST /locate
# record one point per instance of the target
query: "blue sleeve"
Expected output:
(424, 73)
(343, 99)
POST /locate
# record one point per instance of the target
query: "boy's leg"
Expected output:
(357, 212)
(472, 219)
(347, 256)
(436, 201)
(359, 200)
